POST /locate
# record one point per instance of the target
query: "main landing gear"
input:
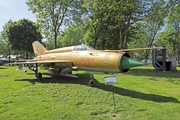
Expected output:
(38, 75)
(91, 82)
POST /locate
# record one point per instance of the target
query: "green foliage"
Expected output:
(168, 37)
(22, 33)
(5, 39)
(170, 41)
(108, 38)
(147, 33)
(71, 36)
(106, 17)
(4, 47)
(52, 14)
(49, 45)
(89, 36)
(139, 39)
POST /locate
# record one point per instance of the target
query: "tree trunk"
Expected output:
(178, 47)
(95, 41)
(55, 40)
(103, 44)
(146, 56)
(17, 56)
(9, 55)
(26, 55)
(150, 45)
(96, 37)
(174, 49)
(120, 35)
(126, 32)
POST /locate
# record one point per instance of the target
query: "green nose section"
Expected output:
(127, 63)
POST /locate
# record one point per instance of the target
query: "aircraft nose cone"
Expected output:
(127, 63)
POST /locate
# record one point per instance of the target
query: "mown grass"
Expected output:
(140, 94)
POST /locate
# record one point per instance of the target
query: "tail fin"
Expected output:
(38, 48)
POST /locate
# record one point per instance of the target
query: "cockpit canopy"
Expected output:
(82, 47)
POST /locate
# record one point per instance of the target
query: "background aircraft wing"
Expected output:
(45, 61)
(124, 50)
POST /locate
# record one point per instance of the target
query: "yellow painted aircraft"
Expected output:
(63, 61)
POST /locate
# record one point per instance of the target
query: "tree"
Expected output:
(138, 39)
(100, 31)
(170, 41)
(153, 25)
(52, 14)
(5, 38)
(73, 35)
(91, 22)
(21, 34)
(123, 13)
(173, 27)
(48, 45)
(4, 47)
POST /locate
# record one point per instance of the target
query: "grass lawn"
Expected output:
(140, 94)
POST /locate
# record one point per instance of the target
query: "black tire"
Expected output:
(39, 76)
(91, 83)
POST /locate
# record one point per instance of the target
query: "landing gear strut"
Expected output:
(91, 82)
(38, 75)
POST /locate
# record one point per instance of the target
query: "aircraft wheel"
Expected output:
(39, 76)
(91, 83)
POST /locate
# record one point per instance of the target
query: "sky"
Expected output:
(14, 10)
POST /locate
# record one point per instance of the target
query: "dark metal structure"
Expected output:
(163, 63)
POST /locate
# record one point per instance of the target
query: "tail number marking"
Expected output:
(87, 62)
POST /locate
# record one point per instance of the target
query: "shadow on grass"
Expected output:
(2, 68)
(152, 73)
(41, 73)
(84, 80)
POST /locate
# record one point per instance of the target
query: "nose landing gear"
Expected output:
(91, 82)
(38, 75)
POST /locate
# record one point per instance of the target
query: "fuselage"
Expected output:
(85, 58)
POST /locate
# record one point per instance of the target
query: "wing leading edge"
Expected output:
(46, 61)
(128, 50)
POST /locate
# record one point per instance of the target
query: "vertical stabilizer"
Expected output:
(38, 48)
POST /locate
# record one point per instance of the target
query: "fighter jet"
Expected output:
(64, 60)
